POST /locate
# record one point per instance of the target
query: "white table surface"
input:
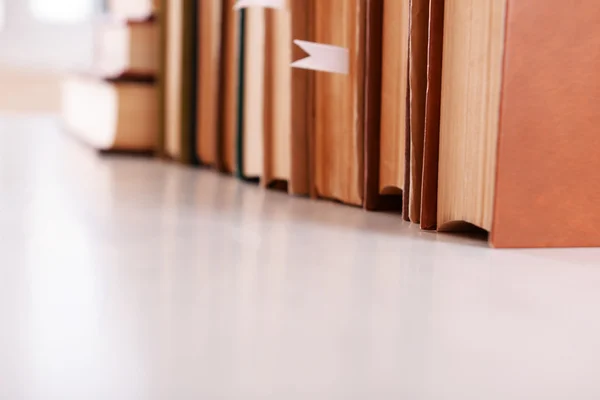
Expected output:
(128, 278)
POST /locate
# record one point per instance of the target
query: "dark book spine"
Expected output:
(239, 171)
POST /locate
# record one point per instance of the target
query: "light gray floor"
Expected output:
(127, 278)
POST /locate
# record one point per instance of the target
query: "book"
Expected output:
(277, 117)
(250, 139)
(288, 100)
(241, 77)
(229, 87)
(208, 81)
(418, 46)
(340, 103)
(111, 115)
(178, 80)
(519, 123)
(303, 103)
(133, 10)
(432, 115)
(127, 49)
(160, 80)
(386, 141)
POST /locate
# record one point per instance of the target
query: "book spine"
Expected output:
(189, 83)
(240, 102)
(160, 79)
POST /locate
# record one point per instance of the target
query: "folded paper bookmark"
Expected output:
(279, 4)
(323, 57)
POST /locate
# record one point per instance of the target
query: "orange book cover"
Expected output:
(531, 102)
(547, 184)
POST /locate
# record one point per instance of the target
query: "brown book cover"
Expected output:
(302, 102)
(547, 191)
(179, 79)
(374, 32)
(340, 103)
(160, 81)
(288, 100)
(432, 115)
(208, 81)
(375, 199)
(407, 163)
(518, 127)
(389, 30)
(277, 103)
(419, 27)
(228, 84)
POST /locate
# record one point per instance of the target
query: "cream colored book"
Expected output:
(133, 10)
(109, 115)
(254, 92)
(126, 49)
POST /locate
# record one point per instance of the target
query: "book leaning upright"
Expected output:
(178, 80)
(340, 101)
(385, 143)
(519, 132)
(288, 100)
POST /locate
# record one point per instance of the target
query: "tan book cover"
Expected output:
(209, 39)
(340, 103)
(288, 100)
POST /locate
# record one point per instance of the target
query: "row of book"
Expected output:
(459, 113)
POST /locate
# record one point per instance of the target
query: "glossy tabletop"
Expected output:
(129, 278)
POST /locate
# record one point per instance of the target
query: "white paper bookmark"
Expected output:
(278, 4)
(323, 57)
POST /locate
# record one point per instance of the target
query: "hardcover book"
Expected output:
(518, 144)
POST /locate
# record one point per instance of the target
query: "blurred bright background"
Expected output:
(39, 41)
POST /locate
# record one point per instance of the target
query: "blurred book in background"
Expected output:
(39, 41)
(114, 105)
